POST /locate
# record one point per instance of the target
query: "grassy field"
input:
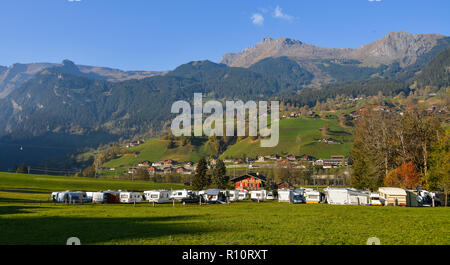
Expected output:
(298, 136)
(26, 218)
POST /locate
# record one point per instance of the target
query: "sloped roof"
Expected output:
(255, 175)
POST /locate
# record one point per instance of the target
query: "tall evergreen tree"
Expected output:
(219, 179)
(200, 179)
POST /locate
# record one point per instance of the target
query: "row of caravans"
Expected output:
(336, 196)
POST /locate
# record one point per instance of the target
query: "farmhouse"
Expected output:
(250, 181)
(286, 185)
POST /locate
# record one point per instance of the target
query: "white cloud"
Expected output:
(257, 19)
(74, 0)
(374, 0)
(278, 13)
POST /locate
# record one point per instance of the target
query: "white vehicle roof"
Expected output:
(392, 191)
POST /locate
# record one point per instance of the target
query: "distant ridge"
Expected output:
(399, 47)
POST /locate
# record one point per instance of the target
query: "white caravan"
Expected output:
(285, 195)
(130, 197)
(234, 195)
(157, 196)
(258, 195)
(244, 195)
(392, 196)
(178, 195)
(312, 196)
(346, 196)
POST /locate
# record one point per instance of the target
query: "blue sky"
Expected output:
(160, 35)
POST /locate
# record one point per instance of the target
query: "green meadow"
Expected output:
(297, 136)
(26, 217)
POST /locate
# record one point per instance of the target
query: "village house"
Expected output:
(262, 159)
(291, 157)
(286, 185)
(168, 162)
(249, 181)
(144, 164)
(151, 170)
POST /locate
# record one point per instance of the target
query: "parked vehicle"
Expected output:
(69, 196)
(298, 199)
(426, 198)
(157, 196)
(244, 195)
(312, 196)
(234, 195)
(375, 199)
(392, 196)
(130, 197)
(108, 196)
(216, 196)
(270, 196)
(258, 195)
(178, 195)
(192, 198)
(346, 196)
(285, 195)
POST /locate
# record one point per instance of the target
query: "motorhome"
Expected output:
(178, 195)
(130, 197)
(312, 196)
(346, 196)
(285, 195)
(157, 196)
(258, 195)
(392, 196)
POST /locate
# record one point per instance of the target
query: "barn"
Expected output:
(249, 181)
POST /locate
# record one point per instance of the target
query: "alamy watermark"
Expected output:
(258, 114)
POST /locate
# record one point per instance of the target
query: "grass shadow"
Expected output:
(56, 230)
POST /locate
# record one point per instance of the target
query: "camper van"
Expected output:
(392, 196)
(178, 195)
(157, 196)
(258, 195)
(375, 199)
(285, 195)
(130, 197)
(312, 196)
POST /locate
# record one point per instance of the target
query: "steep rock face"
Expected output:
(400, 47)
(280, 47)
(15, 75)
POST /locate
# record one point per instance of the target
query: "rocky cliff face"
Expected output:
(399, 47)
(14, 76)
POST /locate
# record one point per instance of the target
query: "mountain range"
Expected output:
(49, 110)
